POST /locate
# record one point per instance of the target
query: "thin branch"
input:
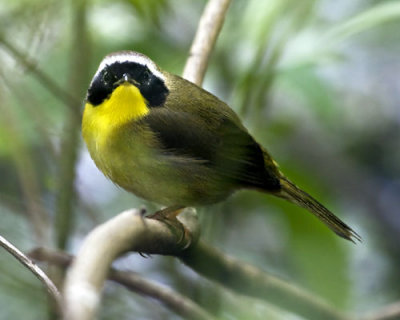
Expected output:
(246, 279)
(128, 231)
(389, 312)
(29, 264)
(176, 302)
(207, 32)
(44, 79)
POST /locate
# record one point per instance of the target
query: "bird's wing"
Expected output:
(222, 146)
(180, 134)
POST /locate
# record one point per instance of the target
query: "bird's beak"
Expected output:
(127, 79)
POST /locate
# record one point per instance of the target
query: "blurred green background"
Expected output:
(316, 82)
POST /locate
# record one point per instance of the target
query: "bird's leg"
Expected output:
(169, 213)
(168, 216)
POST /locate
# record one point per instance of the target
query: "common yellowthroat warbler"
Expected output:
(169, 141)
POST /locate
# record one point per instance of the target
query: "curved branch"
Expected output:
(128, 231)
(207, 32)
(176, 302)
(31, 266)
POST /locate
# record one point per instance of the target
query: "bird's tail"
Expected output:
(297, 196)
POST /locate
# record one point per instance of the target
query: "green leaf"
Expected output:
(368, 19)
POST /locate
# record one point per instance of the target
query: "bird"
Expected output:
(171, 142)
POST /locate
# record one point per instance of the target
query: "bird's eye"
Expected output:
(108, 77)
(145, 76)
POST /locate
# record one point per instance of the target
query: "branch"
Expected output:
(181, 305)
(389, 312)
(248, 280)
(29, 264)
(45, 80)
(129, 231)
(207, 32)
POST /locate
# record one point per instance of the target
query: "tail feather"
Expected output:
(297, 196)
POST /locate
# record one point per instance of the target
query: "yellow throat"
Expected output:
(125, 104)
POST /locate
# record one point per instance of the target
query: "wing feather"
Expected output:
(222, 146)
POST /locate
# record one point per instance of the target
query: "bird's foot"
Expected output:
(169, 217)
(169, 213)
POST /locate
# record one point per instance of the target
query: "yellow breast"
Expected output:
(125, 104)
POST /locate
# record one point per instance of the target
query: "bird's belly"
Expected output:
(158, 177)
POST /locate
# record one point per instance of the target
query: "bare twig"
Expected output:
(207, 32)
(44, 79)
(29, 264)
(389, 312)
(128, 231)
(176, 302)
(248, 280)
